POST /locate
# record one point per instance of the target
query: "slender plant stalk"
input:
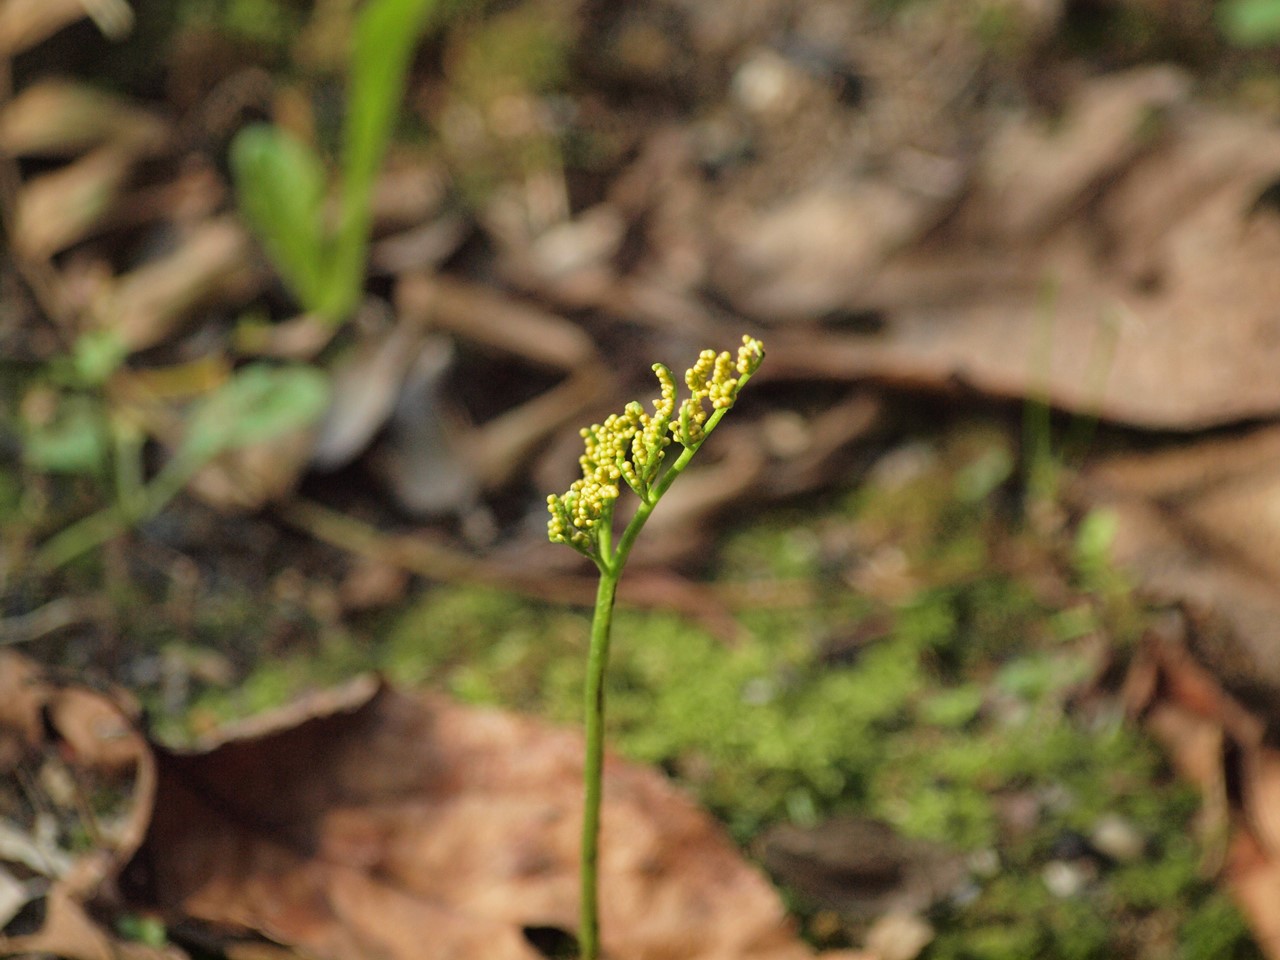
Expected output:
(630, 447)
(597, 661)
(593, 701)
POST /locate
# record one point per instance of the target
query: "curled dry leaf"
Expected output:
(1218, 745)
(95, 734)
(25, 23)
(367, 822)
(1138, 285)
(1037, 172)
(60, 117)
(68, 931)
(58, 209)
(146, 306)
(93, 730)
(366, 381)
(492, 320)
(376, 816)
(1196, 526)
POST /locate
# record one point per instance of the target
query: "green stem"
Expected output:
(597, 660)
(107, 524)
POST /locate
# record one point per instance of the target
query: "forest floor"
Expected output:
(961, 631)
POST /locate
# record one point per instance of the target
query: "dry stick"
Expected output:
(38, 273)
(711, 604)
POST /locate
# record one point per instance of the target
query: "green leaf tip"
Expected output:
(632, 445)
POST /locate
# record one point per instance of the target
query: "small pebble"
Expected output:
(899, 936)
(1062, 879)
(766, 83)
(1115, 837)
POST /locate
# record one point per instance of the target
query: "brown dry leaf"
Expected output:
(1254, 880)
(1160, 253)
(95, 733)
(68, 931)
(22, 695)
(90, 730)
(61, 117)
(1214, 742)
(144, 307)
(58, 209)
(1197, 525)
(25, 23)
(352, 824)
(492, 320)
(364, 822)
(1034, 173)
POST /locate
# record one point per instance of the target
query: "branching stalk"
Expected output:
(633, 447)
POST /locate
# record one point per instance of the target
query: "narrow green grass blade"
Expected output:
(280, 184)
(386, 34)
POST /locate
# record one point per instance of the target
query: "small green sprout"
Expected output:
(631, 447)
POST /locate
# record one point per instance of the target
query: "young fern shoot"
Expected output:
(632, 447)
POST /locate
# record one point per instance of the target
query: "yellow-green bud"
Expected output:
(631, 446)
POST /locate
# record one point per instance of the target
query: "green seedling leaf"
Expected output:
(140, 929)
(386, 34)
(96, 355)
(75, 441)
(281, 186)
(1094, 539)
(1032, 678)
(259, 403)
(1250, 23)
(983, 476)
(1094, 564)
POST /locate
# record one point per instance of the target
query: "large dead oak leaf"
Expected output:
(1119, 261)
(370, 823)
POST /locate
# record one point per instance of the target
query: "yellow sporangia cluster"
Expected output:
(631, 446)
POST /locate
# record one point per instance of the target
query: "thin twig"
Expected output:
(53, 616)
(38, 273)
